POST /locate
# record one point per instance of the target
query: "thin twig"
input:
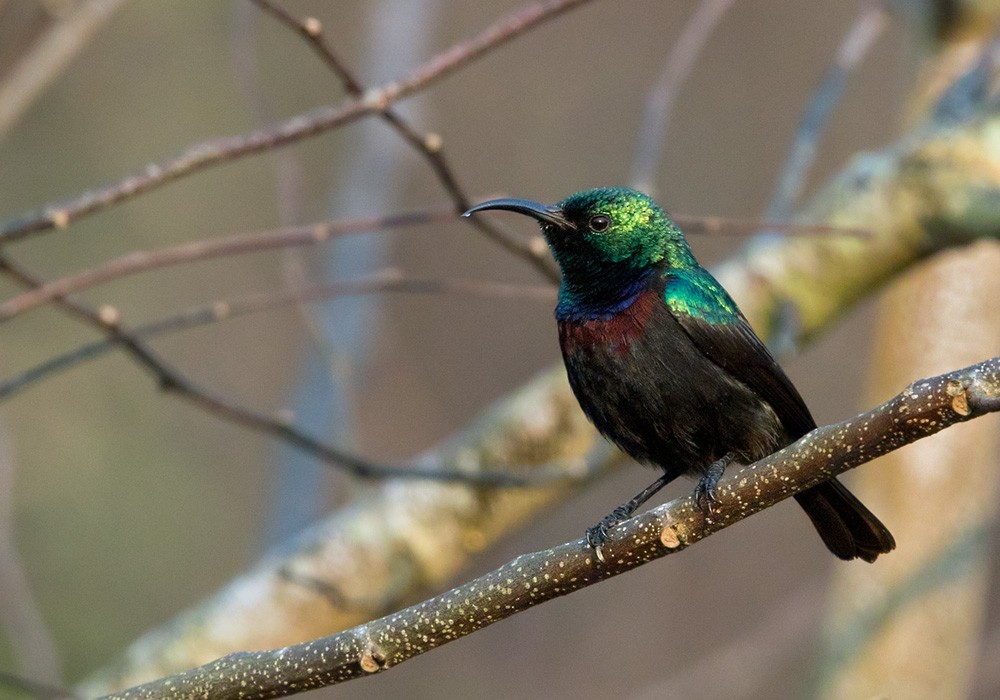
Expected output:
(311, 234)
(171, 380)
(214, 152)
(924, 408)
(222, 150)
(430, 146)
(660, 105)
(859, 38)
(49, 56)
(720, 225)
(289, 172)
(386, 281)
(20, 617)
(207, 249)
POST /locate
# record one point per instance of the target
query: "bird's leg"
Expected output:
(598, 535)
(704, 492)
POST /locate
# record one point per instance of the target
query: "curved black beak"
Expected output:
(545, 213)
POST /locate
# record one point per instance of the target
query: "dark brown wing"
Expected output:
(845, 525)
(734, 347)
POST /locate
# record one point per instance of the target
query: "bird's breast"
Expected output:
(615, 332)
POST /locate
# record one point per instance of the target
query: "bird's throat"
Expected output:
(601, 296)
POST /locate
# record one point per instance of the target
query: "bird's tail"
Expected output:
(847, 527)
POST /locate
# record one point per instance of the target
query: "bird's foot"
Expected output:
(601, 532)
(705, 494)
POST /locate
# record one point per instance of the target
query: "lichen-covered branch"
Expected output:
(923, 408)
(912, 627)
(936, 188)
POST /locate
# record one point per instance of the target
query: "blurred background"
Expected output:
(126, 506)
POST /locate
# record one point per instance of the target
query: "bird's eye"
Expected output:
(599, 223)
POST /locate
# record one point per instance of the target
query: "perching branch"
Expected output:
(924, 408)
(322, 119)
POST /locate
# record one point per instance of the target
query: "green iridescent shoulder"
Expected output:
(696, 293)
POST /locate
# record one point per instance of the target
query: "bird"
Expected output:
(667, 367)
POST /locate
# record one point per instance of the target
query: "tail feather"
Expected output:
(846, 526)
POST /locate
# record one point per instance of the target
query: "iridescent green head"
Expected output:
(604, 238)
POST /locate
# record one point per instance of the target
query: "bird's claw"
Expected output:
(705, 494)
(599, 534)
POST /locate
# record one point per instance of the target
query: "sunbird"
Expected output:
(665, 364)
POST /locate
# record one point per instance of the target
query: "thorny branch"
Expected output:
(922, 409)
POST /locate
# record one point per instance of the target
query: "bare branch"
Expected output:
(721, 225)
(859, 38)
(213, 152)
(924, 408)
(206, 249)
(49, 56)
(221, 310)
(676, 70)
(311, 31)
(30, 640)
(170, 380)
(430, 146)
(310, 234)
(660, 106)
(222, 150)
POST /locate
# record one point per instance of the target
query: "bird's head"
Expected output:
(613, 231)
